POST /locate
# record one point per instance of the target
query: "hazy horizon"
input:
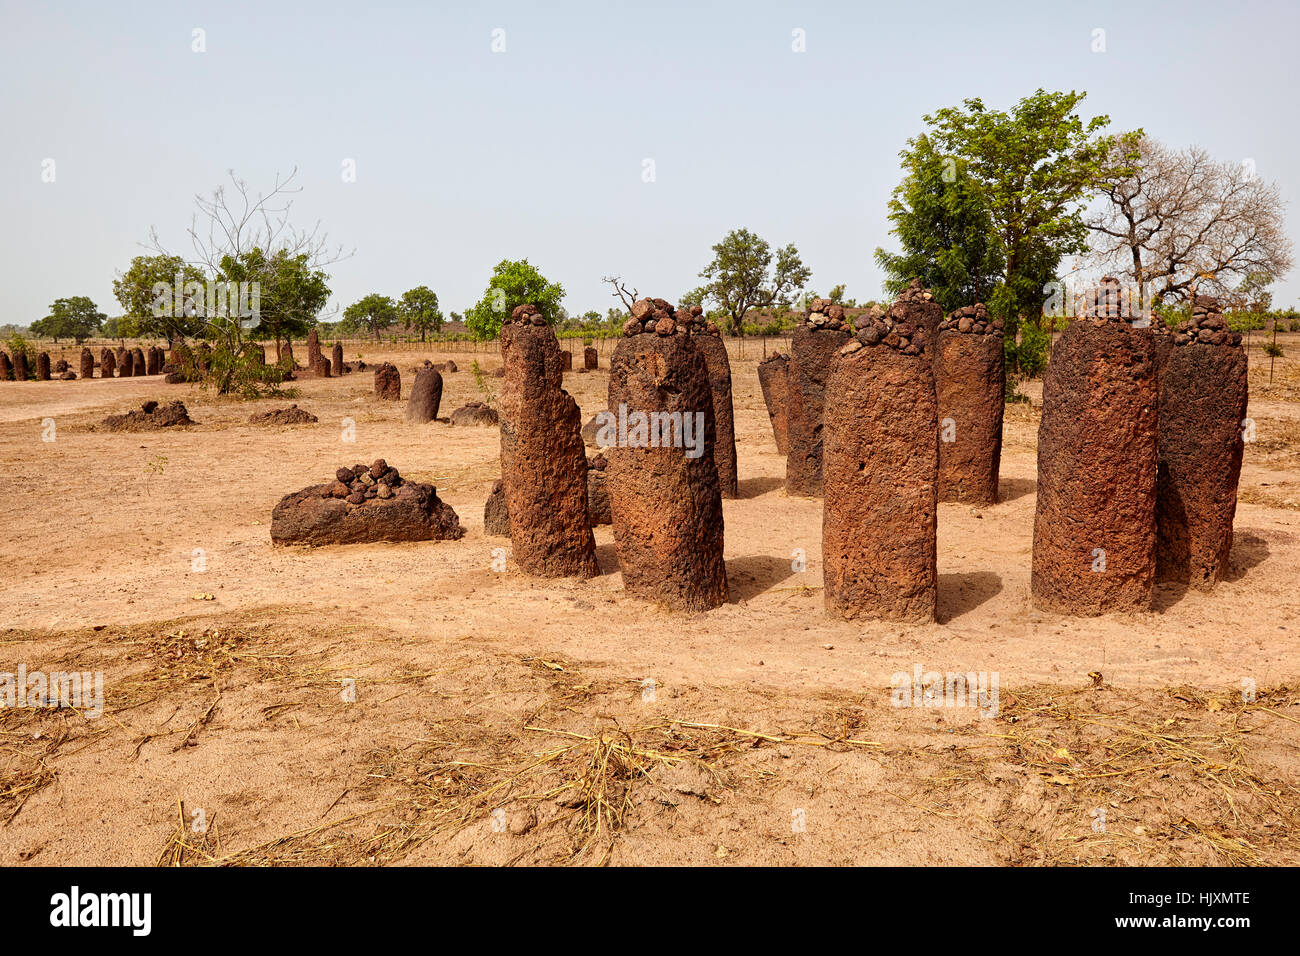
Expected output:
(465, 156)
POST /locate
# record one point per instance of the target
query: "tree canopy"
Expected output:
(512, 284)
(373, 313)
(419, 310)
(76, 318)
(744, 275)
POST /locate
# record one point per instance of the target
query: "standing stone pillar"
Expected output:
(881, 473)
(662, 479)
(107, 363)
(1095, 519)
(426, 396)
(124, 361)
(566, 361)
(773, 372)
(388, 383)
(338, 358)
(812, 350)
(20, 366)
(1202, 408)
(138, 365)
(590, 358)
(706, 337)
(6, 367)
(970, 383)
(543, 463)
(87, 363)
(43, 367)
(313, 350)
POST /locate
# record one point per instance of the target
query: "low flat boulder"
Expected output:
(475, 413)
(293, 415)
(149, 417)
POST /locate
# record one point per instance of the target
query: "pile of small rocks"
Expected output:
(905, 336)
(358, 484)
(660, 317)
(825, 314)
(527, 314)
(293, 415)
(1206, 326)
(149, 416)
(973, 319)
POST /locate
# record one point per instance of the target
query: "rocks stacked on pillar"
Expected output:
(665, 499)
(970, 384)
(6, 367)
(881, 473)
(543, 464)
(43, 367)
(773, 374)
(388, 383)
(706, 337)
(107, 363)
(337, 360)
(426, 396)
(590, 358)
(364, 504)
(1203, 396)
(812, 351)
(1095, 519)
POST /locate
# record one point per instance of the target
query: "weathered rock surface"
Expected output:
(1203, 399)
(542, 461)
(475, 413)
(1095, 520)
(293, 415)
(388, 383)
(666, 504)
(363, 505)
(496, 514)
(812, 351)
(150, 416)
(970, 382)
(773, 373)
(880, 470)
(426, 396)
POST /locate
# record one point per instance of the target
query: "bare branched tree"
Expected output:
(621, 290)
(1177, 223)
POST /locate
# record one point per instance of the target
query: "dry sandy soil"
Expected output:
(501, 719)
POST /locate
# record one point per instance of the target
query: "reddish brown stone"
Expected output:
(125, 363)
(6, 367)
(337, 360)
(150, 416)
(496, 516)
(426, 396)
(812, 351)
(475, 413)
(313, 349)
(1095, 520)
(153, 360)
(21, 372)
(598, 509)
(773, 374)
(590, 358)
(43, 367)
(87, 363)
(107, 363)
(293, 415)
(388, 383)
(138, 365)
(881, 473)
(666, 504)
(566, 359)
(714, 351)
(970, 383)
(1202, 407)
(542, 461)
(411, 512)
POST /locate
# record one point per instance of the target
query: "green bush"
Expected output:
(1028, 356)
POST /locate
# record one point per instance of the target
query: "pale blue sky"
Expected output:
(465, 157)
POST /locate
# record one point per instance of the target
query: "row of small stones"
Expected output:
(972, 319)
(358, 484)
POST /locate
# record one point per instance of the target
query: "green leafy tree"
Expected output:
(1034, 168)
(513, 284)
(291, 293)
(744, 275)
(373, 314)
(152, 295)
(419, 310)
(73, 318)
(943, 224)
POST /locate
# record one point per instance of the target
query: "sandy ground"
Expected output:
(504, 719)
